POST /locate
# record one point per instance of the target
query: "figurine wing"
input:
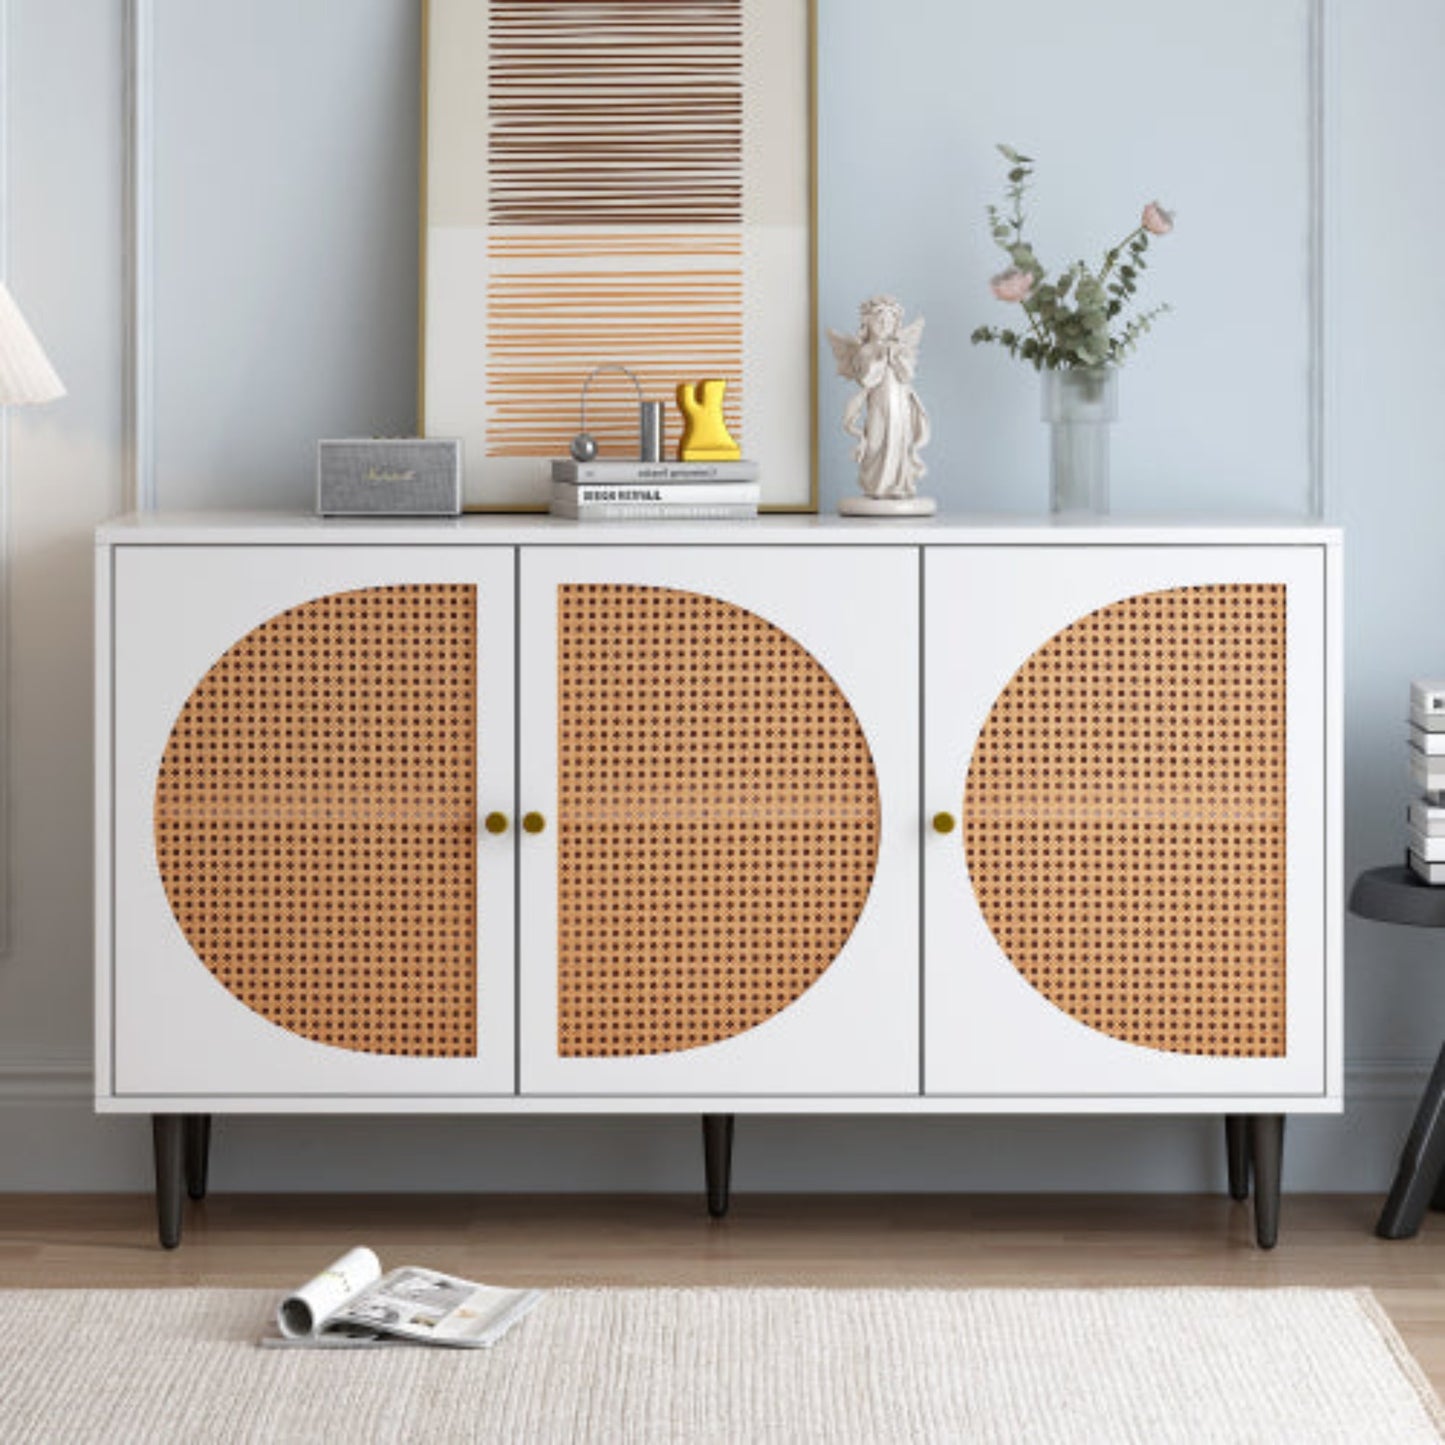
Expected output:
(911, 338)
(845, 353)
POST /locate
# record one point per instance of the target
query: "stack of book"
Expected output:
(610, 491)
(1425, 829)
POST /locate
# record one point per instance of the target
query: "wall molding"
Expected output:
(1316, 424)
(140, 482)
(7, 730)
(1390, 1080)
(138, 249)
(66, 1082)
(46, 1081)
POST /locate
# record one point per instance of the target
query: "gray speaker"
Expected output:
(389, 476)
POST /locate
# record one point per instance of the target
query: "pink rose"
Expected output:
(1012, 285)
(1157, 221)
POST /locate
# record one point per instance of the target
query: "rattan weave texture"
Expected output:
(718, 820)
(315, 820)
(1124, 820)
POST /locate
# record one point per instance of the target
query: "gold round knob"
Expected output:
(495, 823)
(944, 822)
(533, 822)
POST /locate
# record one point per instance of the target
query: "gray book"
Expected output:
(627, 470)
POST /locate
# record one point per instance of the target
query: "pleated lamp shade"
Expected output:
(26, 375)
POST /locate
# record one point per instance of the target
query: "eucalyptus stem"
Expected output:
(1111, 257)
(1076, 319)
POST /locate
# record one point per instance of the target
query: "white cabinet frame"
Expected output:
(988, 1033)
(206, 1053)
(854, 1032)
(170, 1030)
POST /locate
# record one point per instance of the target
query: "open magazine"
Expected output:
(351, 1303)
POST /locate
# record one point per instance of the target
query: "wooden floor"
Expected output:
(1037, 1241)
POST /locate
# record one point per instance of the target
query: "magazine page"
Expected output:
(307, 1312)
(421, 1304)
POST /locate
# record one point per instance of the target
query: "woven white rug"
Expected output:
(738, 1366)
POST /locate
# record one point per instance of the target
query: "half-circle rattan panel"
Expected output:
(315, 820)
(1124, 820)
(718, 820)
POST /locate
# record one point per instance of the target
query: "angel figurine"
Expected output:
(886, 417)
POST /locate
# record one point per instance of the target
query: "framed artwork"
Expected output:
(621, 181)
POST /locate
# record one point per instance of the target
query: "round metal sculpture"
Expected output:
(583, 446)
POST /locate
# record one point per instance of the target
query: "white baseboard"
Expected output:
(51, 1140)
(1391, 1080)
(44, 1081)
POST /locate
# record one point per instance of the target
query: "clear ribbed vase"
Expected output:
(1080, 405)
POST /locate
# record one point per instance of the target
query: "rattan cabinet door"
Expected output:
(1132, 740)
(306, 904)
(720, 747)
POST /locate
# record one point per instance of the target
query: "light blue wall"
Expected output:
(1119, 101)
(1385, 465)
(287, 197)
(285, 308)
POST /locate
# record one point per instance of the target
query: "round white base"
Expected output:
(888, 506)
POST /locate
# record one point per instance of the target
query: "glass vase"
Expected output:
(1080, 404)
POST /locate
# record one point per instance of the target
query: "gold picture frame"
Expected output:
(649, 200)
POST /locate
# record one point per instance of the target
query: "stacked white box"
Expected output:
(1425, 824)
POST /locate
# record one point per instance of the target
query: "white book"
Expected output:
(1426, 818)
(351, 1304)
(1430, 741)
(1430, 722)
(655, 494)
(1432, 850)
(1428, 696)
(663, 512)
(1425, 870)
(1428, 772)
(630, 470)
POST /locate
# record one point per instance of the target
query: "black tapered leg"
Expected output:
(1422, 1163)
(1437, 1199)
(1236, 1150)
(1266, 1147)
(198, 1154)
(168, 1137)
(717, 1153)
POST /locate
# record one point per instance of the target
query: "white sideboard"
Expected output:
(797, 815)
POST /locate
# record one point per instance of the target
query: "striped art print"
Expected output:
(608, 182)
(616, 113)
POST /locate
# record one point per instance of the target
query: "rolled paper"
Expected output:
(301, 1314)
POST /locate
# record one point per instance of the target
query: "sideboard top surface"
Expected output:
(300, 529)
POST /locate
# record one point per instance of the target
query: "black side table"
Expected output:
(1396, 895)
